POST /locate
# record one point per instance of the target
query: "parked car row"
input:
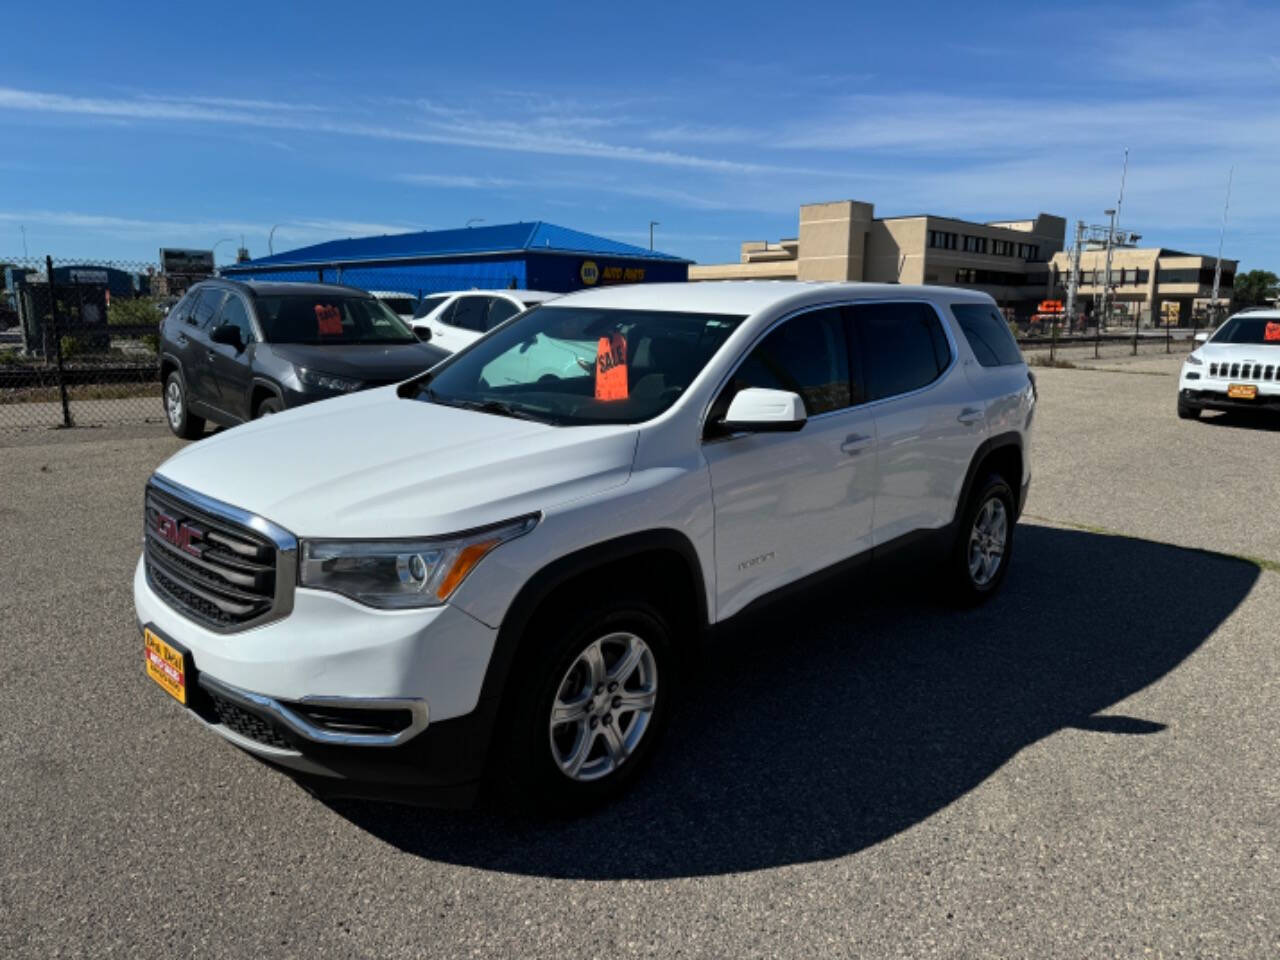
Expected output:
(495, 569)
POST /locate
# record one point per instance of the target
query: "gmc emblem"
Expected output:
(185, 536)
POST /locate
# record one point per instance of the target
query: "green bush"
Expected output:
(75, 346)
(152, 340)
(133, 313)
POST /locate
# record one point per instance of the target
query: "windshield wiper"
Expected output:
(483, 406)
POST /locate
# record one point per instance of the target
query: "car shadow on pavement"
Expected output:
(840, 718)
(1242, 419)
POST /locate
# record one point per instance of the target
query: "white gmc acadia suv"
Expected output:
(1237, 368)
(491, 569)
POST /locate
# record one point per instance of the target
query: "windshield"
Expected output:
(572, 366)
(1254, 330)
(322, 318)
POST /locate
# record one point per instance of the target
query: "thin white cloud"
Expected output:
(462, 181)
(500, 135)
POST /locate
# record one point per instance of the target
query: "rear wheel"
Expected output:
(181, 420)
(1187, 410)
(984, 543)
(591, 705)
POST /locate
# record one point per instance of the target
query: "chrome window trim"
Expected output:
(304, 728)
(866, 404)
(286, 545)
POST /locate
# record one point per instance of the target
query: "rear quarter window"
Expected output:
(988, 334)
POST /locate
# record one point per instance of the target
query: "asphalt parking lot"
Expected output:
(1085, 767)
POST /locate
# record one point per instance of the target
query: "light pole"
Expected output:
(270, 248)
(475, 220)
(652, 224)
(24, 241)
(216, 245)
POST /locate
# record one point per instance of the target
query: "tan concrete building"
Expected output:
(844, 240)
(1146, 282)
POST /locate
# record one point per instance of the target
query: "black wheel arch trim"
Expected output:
(991, 445)
(268, 384)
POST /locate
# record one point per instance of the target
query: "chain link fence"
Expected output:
(78, 343)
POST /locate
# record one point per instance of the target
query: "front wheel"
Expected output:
(984, 543)
(269, 407)
(1187, 410)
(592, 705)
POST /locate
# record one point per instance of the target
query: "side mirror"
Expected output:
(1202, 338)
(422, 333)
(760, 410)
(228, 334)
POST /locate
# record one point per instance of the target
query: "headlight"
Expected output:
(326, 381)
(398, 574)
(1194, 360)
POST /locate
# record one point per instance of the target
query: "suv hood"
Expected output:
(370, 362)
(1261, 352)
(376, 465)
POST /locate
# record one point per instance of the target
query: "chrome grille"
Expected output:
(222, 567)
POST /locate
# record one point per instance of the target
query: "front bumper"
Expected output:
(1214, 397)
(300, 692)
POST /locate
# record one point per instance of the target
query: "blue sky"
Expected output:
(127, 127)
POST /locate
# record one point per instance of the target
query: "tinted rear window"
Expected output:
(988, 334)
(904, 347)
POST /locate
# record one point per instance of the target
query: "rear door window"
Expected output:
(468, 313)
(903, 346)
(988, 334)
(500, 308)
(427, 305)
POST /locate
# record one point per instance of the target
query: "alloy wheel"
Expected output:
(173, 404)
(987, 541)
(603, 706)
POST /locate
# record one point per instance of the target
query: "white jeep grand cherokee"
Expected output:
(1238, 368)
(483, 572)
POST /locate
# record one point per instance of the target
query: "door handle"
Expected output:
(210, 354)
(970, 415)
(182, 339)
(854, 443)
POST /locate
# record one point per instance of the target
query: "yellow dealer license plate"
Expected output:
(166, 665)
(1242, 391)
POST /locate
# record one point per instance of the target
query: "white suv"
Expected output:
(1237, 368)
(480, 573)
(457, 320)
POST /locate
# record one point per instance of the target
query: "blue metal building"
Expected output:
(531, 256)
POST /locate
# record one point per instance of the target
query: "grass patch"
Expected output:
(1040, 360)
(91, 391)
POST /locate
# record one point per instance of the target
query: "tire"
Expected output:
(983, 548)
(268, 407)
(1187, 411)
(600, 748)
(182, 421)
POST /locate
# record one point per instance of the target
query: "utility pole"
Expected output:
(1217, 269)
(25, 255)
(652, 224)
(1106, 274)
(1074, 282)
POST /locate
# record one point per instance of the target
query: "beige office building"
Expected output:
(1019, 262)
(1146, 282)
(844, 240)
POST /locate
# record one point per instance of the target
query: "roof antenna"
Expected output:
(1217, 270)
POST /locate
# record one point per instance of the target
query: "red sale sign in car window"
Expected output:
(611, 367)
(328, 320)
(1271, 334)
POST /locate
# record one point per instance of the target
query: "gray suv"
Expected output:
(233, 351)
